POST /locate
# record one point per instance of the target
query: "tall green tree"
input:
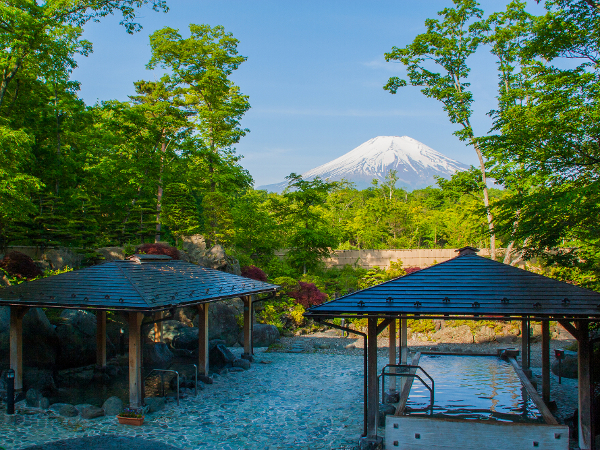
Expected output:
(546, 132)
(202, 65)
(437, 61)
(33, 33)
(310, 238)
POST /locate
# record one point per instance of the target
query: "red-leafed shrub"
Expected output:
(20, 265)
(158, 249)
(411, 269)
(255, 273)
(307, 294)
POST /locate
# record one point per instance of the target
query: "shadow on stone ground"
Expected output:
(107, 442)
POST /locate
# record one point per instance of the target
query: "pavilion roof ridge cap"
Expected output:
(132, 284)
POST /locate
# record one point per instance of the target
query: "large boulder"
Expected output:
(87, 411)
(171, 329)
(155, 404)
(186, 338)
(263, 335)
(58, 259)
(79, 376)
(77, 337)
(157, 355)
(222, 320)
(40, 342)
(214, 257)
(485, 334)
(454, 335)
(33, 398)
(112, 253)
(220, 356)
(194, 246)
(112, 406)
(40, 380)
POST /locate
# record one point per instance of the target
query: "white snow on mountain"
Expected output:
(415, 163)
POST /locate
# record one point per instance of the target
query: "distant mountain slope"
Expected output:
(415, 163)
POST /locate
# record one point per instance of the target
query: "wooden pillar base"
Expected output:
(247, 324)
(101, 338)
(525, 347)
(203, 354)
(392, 357)
(370, 443)
(135, 360)
(16, 344)
(584, 387)
(372, 381)
(546, 361)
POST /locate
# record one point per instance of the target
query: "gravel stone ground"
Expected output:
(304, 393)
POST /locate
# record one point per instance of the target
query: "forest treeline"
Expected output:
(163, 165)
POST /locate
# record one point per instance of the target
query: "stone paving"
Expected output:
(285, 401)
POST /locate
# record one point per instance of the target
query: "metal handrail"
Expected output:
(413, 375)
(162, 380)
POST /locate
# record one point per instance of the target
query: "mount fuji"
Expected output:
(415, 163)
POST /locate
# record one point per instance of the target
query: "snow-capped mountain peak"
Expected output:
(415, 163)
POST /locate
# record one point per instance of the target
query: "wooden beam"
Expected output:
(525, 344)
(16, 344)
(203, 364)
(546, 361)
(101, 338)
(407, 385)
(584, 387)
(383, 325)
(403, 348)
(392, 353)
(158, 327)
(570, 328)
(372, 380)
(247, 325)
(135, 359)
(537, 399)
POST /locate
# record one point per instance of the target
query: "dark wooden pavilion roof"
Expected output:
(142, 283)
(467, 286)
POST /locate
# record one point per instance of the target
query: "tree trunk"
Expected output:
(58, 151)
(7, 79)
(486, 202)
(159, 194)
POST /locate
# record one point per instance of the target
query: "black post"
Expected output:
(10, 391)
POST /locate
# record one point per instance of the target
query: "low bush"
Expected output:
(19, 265)
(158, 249)
(254, 273)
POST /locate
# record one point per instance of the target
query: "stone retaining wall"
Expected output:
(382, 258)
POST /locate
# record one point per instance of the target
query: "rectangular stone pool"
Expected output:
(480, 402)
(473, 387)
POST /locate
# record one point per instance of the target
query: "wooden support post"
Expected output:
(525, 345)
(403, 348)
(584, 387)
(135, 359)
(372, 380)
(158, 327)
(203, 365)
(392, 354)
(247, 325)
(101, 338)
(16, 344)
(546, 361)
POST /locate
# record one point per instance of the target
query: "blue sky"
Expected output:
(314, 74)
